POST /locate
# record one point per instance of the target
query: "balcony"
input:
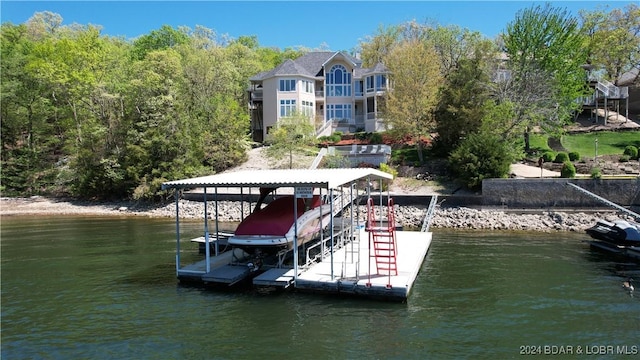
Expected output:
(256, 95)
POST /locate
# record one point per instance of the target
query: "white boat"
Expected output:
(272, 228)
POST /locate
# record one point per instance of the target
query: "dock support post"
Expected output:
(207, 250)
(295, 234)
(331, 230)
(175, 195)
(215, 198)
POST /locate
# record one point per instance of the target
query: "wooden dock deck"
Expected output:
(351, 276)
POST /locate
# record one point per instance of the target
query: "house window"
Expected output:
(369, 83)
(287, 107)
(358, 90)
(338, 111)
(287, 85)
(307, 108)
(308, 87)
(381, 82)
(338, 81)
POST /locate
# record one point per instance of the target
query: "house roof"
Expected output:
(379, 68)
(310, 64)
(320, 178)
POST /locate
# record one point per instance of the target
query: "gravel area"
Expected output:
(229, 211)
(410, 216)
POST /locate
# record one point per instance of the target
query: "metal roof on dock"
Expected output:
(322, 178)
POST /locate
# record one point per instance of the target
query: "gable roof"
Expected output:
(310, 64)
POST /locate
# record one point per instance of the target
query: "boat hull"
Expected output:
(308, 228)
(620, 232)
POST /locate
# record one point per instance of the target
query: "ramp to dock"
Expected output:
(605, 201)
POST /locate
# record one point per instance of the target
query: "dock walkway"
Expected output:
(350, 274)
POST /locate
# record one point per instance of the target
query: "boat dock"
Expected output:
(347, 274)
(373, 259)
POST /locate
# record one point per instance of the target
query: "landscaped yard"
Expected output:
(609, 142)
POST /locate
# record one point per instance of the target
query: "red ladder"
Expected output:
(382, 242)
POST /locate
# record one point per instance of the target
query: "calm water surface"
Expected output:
(105, 288)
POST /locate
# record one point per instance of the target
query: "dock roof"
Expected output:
(321, 178)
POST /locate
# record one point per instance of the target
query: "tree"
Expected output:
(546, 54)
(454, 44)
(415, 75)
(481, 155)
(43, 24)
(163, 38)
(27, 129)
(294, 133)
(374, 48)
(613, 41)
(460, 108)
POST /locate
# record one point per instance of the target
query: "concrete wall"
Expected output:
(555, 193)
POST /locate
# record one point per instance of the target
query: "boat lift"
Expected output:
(232, 263)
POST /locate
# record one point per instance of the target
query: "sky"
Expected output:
(336, 25)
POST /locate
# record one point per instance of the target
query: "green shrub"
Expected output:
(548, 156)
(568, 170)
(335, 162)
(388, 169)
(596, 173)
(625, 158)
(632, 151)
(561, 158)
(574, 156)
(376, 138)
(481, 156)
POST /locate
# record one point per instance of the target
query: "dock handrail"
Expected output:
(431, 211)
(605, 201)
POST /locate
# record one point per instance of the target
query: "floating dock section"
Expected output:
(348, 274)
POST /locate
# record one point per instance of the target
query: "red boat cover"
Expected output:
(276, 218)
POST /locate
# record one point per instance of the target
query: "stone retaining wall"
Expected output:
(555, 193)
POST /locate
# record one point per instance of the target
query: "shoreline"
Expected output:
(409, 216)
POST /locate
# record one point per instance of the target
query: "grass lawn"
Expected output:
(539, 143)
(609, 142)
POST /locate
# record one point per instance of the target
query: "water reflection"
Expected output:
(106, 288)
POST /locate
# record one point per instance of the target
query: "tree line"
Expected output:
(482, 98)
(94, 116)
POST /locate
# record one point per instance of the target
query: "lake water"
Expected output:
(105, 288)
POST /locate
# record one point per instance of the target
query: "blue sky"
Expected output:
(338, 24)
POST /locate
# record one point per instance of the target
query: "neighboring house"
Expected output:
(605, 95)
(331, 88)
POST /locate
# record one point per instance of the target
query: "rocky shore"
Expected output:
(230, 211)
